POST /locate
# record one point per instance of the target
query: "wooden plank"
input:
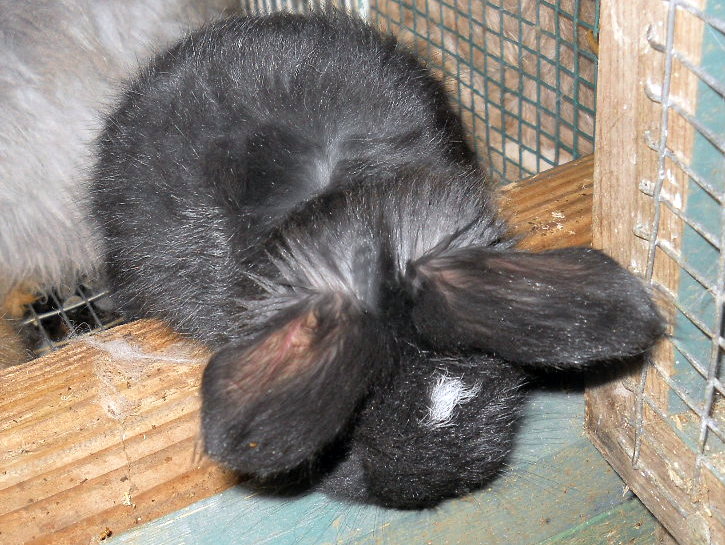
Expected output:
(641, 445)
(553, 209)
(102, 435)
(557, 482)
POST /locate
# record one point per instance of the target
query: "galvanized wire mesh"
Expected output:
(523, 74)
(695, 399)
(56, 317)
(258, 7)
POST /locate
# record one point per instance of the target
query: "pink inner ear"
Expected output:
(288, 347)
(282, 354)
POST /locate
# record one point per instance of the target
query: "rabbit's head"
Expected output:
(442, 428)
(297, 192)
(414, 351)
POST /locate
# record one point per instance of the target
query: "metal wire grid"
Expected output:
(696, 382)
(524, 74)
(56, 318)
(300, 6)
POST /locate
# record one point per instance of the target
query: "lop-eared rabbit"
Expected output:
(296, 192)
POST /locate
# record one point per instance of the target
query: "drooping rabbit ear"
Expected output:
(271, 404)
(563, 308)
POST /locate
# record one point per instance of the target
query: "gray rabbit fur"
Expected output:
(61, 64)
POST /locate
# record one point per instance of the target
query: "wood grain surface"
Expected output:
(636, 436)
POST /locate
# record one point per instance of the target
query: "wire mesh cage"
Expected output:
(524, 77)
(260, 7)
(664, 428)
(56, 317)
(695, 396)
(523, 74)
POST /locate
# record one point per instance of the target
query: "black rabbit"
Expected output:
(296, 192)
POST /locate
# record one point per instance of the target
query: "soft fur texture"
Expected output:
(296, 192)
(60, 64)
(400, 458)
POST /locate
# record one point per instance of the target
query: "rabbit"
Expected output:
(59, 64)
(296, 192)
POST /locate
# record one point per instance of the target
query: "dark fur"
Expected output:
(398, 459)
(296, 192)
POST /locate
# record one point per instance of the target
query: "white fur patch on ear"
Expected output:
(445, 395)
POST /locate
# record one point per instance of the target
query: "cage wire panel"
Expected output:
(261, 7)
(523, 74)
(56, 317)
(696, 402)
(669, 438)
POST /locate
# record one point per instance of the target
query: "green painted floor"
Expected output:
(559, 490)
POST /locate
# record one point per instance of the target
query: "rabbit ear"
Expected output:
(271, 404)
(563, 308)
